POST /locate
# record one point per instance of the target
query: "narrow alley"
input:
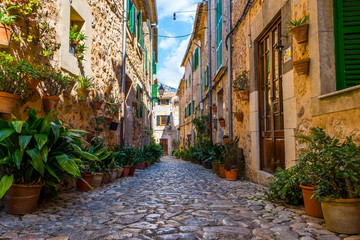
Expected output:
(172, 199)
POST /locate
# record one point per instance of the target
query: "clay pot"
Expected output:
(22, 199)
(108, 121)
(106, 178)
(142, 166)
(81, 185)
(97, 179)
(126, 171)
(215, 167)
(301, 66)
(231, 175)
(132, 170)
(83, 94)
(226, 139)
(50, 103)
(214, 109)
(222, 122)
(300, 33)
(134, 104)
(221, 170)
(5, 35)
(196, 162)
(33, 84)
(243, 95)
(342, 215)
(208, 165)
(113, 175)
(239, 116)
(119, 172)
(8, 102)
(97, 104)
(312, 207)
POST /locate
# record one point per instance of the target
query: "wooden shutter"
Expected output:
(158, 120)
(167, 102)
(168, 119)
(347, 42)
(219, 41)
(159, 102)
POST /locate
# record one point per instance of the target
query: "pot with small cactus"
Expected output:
(222, 121)
(299, 29)
(214, 108)
(240, 86)
(84, 85)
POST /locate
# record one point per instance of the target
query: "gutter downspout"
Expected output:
(210, 79)
(230, 74)
(123, 113)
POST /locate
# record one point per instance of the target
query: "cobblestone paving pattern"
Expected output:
(171, 200)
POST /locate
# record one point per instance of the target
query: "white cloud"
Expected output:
(167, 8)
(167, 43)
(170, 72)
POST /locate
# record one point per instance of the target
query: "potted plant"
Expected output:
(14, 78)
(239, 115)
(222, 121)
(336, 174)
(34, 152)
(6, 20)
(214, 108)
(233, 159)
(77, 43)
(240, 86)
(53, 85)
(97, 102)
(301, 66)
(299, 29)
(225, 138)
(84, 85)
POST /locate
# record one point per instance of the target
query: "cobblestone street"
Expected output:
(172, 199)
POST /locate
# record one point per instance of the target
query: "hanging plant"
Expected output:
(240, 86)
(299, 29)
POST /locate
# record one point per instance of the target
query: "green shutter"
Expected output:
(189, 80)
(154, 63)
(193, 105)
(168, 119)
(135, 21)
(219, 37)
(158, 120)
(131, 16)
(149, 70)
(167, 102)
(185, 113)
(146, 62)
(154, 92)
(206, 77)
(140, 36)
(347, 42)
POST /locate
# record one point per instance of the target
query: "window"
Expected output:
(140, 35)
(154, 63)
(347, 43)
(219, 40)
(195, 59)
(164, 101)
(206, 77)
(162, 120)
(139, 99)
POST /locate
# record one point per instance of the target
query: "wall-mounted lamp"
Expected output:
(174, 16)
(279, 48)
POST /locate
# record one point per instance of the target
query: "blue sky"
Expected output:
(171, 51)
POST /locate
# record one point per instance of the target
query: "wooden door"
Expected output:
(272, 147)
(164, 145)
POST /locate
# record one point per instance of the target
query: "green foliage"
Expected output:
(85, 82)
(232, 156)
(286, 186)
(6, 18)
(201, 129)
(77, 41)
(298, 22)
(99, 123)
(38, 150)
(54, 82)
(241, 81)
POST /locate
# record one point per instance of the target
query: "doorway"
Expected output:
(164, 145)
(272, 145)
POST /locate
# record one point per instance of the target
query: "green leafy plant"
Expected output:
(241, 81)
(37, 150)
(232, 155)
(54, 82)
(85, 82)
(297, 22)
(77, 42)
(6, 18)
(99, 123)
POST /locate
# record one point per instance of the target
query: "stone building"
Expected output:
(102, 23)
(165, 121)
(284, 100)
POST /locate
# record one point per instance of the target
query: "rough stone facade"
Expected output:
(103, 24)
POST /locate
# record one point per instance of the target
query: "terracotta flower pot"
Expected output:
(8, 102)
(231, 175)
(239, 116)
(97, 179)
(22, 199)
(300, 33)
(214, 109)
(342, 215)
(113, 175)
(132, 170)
(106, 178)
(119, 172)
(50, 103)
(134, 104)
(142, 166)
(5, 35)
(83, 94)
(312, 207)
(301, 66)
(81, 185)
(196, 162)
(33, 84)
(215, 167)
(226, 139)
(97, 104)
(126, 171)
(222, 122)
(221, 170)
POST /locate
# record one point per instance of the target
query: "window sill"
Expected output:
(338, 93)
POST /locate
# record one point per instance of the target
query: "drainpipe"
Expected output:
(230, 74)
(210, 79)
(123, 113)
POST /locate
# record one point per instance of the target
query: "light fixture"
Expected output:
(279, 47)
(161, 90)
(174, 16)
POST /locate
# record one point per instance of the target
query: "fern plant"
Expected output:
(297, 22)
